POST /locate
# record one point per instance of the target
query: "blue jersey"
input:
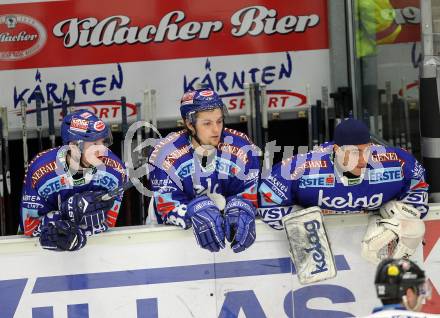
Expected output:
(397, 311)
(312, 179)
(48, 182)
(178, 174)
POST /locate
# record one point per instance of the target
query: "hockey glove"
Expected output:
(240, 223)
(95, 222)
(80, 204)
(62, 236)
(207, 223)
(396, 234)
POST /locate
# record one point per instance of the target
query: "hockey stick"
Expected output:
(24, 134)
(140, 161)
(125, 152)
(38, 96)
(115, 192)
(124, 124)
(6, 148)
(64, 108)
(71, 95)
(2, 197)
(51, 123)
(325, 105)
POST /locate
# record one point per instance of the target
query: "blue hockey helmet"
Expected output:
(199, 100)
(83, 125)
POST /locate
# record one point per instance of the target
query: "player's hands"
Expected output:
(85, 203)
(95, 222)
(62, 236)
(207, 223)
(240, 223)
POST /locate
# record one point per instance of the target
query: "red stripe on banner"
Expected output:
(87, 32)
(432, 236)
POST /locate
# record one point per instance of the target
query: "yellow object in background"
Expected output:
(375, 25)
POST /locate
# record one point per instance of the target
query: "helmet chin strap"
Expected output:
(417, 307)
(194, 134)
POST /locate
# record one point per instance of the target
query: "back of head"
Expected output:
(351, 132)
(394, 277)
(83, 125)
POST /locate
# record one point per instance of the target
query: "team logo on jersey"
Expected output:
(418, 171)
(419, 185)
(42, 171)
(174, 156)
(51, 186)
(277, 186)
(370, 202)
(385, 175)
(268, 196)
(308, 165)
(384, 157)
(21, 36)
(317, 181)
(109, 162)
(105, 180)
(273, 216)
(186, 169)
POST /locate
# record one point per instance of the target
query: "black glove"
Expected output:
(81, 204)
(62, 236)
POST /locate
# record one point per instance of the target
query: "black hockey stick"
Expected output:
(140, 161)
(38, 97)
(124, 124)
(6, 148)
(2, 197)
(24, 134)
(71, 95)
(51, 123)
(64, 108)
(115, 192)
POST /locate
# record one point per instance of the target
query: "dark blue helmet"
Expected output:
(395, 276)
(199, 100)
(84, 125)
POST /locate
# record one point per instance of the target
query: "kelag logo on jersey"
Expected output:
(317, 181)
(385, 175)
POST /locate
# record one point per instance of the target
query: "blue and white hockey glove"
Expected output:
(62, 236)
(207, 223)
(94, 222)
(81, 204)
(240, 223)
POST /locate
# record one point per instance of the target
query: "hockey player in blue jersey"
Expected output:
(59, 200)
(206, 176)
(402, 288)
(351, 175)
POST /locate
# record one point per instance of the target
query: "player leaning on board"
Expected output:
(61, 188)
(206, 176)
(352, 175)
